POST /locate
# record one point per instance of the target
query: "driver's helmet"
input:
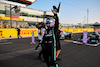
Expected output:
(50, 22)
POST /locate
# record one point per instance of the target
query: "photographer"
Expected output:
(41, 30)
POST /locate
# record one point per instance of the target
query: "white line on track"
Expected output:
(3, 40)
(86, 44)
(16, 53)
(6, 43)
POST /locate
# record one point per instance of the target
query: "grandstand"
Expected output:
(25, 18)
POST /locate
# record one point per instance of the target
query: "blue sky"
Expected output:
(72, 11)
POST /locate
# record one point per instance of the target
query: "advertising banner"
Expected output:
(13, 18)
(78, 30)
(29, 2)
(85, 36)
(13, 32)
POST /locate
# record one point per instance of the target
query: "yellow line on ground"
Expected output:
(69, 40)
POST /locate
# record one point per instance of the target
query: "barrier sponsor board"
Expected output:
(13, 18)
(28, 32)
(96, 29)
(13, 32)
(78, 30)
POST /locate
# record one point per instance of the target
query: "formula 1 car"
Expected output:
(65, 35)
(93, 40)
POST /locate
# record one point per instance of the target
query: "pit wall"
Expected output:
(28, 32)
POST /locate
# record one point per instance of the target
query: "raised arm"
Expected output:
(55, 11)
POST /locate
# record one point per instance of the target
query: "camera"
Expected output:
(40, 25)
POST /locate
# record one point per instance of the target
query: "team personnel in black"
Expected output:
(18, 33)
(48, 40)
(41, 30)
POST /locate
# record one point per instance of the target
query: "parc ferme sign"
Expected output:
(85, 36)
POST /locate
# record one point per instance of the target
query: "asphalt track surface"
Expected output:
(20, 53)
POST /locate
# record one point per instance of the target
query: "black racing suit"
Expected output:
(48, 42)
(57, 32)
(47, 45)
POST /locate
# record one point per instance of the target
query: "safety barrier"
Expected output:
(96, 29)
(13, 32)
(78, 30)
(28, 32)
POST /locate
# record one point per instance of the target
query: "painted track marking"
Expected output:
(69, 40)
(16, 53)
(6, 43)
